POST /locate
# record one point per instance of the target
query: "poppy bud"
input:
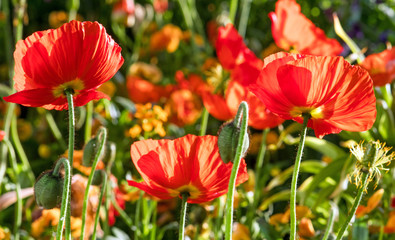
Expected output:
(109, 151)
(98, 177)
(48, 190)
(90, 151)
(228, 138)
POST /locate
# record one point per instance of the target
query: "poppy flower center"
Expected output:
(315, 113)
(77, 85)
(190, 189)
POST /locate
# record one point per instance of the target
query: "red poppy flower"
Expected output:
(234, 55)
(337, 95)
(79, 56)
(184, 107)
(188, 164)
(381, 67)
(245, 67)
(291, 30)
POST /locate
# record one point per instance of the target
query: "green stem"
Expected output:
(331, 221)
(69, 95)
(102, 135)
(240, 119)
(244, 17)
(88, 121)
(102, 191)
(233, 10)
(21, 153)
(54, 129)
(74, 5)
(203, 124)
(18, 207)
(20, 13)
(295, 178)
(154, 217)
(350, 43)
(66, 194)
(122, 213)
(181, 231)
(137, 215)
(387, 95)
(365, 177)
(258, 172)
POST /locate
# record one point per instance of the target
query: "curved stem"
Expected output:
(88, 121)
(122, 213)
(102, 191)
(233, 10)
(295, 178)
(65, 195)
(18, 207)
(102, 135)
(258, 172)
(69, 95)
(203, 124)
(73, 5)
(181, 231)
(19, 150)
(365, 177)
(241, 117)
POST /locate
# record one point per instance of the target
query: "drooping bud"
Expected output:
(98, 177)
(90, 150)
(228, 139)
(109, 152)
(48, 190)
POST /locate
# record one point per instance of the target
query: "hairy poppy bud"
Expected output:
(228, 138)
(98, 177)
(90, 150)
(48, 190)
(109, 151)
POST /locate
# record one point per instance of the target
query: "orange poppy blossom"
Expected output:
(336, 95)
(244, 67)
(79, 56)
(190, 164)
(292, 30)
(168, 38)
(142, 83)
(381, 66)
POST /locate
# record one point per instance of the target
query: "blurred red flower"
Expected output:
(291, 30)
(337, 95)
(112, 212)
(188, 164)
(79, 56)
(2, 135)
(381, 66)
(160, 6)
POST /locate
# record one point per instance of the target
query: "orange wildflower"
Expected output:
(373, 202)
(184, 107)
(168, 38)
(381, 66)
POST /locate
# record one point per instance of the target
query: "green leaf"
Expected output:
(360, 231)
(280, 196)
(326, 148)
(309, 166)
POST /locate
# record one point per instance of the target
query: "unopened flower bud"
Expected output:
(90, 150)
(48, 190)
(98, 177)
(228, 139)
(109, 151)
